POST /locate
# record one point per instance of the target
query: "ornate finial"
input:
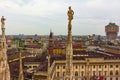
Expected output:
(69, 50)
(4, 65)
(3, 20)
(70, 14)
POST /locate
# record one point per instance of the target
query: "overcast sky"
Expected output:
(39, 16)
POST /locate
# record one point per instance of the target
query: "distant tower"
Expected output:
(111, 31)
(4, 67)
(51, 43)
(69, 49)
(50, 52)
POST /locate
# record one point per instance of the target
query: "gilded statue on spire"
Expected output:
(70, 14)
(69, 49)
(4, 66)
(3, 20)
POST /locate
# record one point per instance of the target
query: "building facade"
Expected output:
(86, 69)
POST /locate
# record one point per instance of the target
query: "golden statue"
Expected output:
(70, 14)
(3, 20)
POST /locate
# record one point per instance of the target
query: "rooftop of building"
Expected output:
(33, 46)
(14, 62)
(80, 55)
(112, 25)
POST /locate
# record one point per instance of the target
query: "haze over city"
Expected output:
(39, 16)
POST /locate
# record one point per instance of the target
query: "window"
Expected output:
(99, 66)
(63, 73)
(82, 73)
(93, 72)
(58, 74)
(116, 78)
(34, 66)
(25, 67)
(76, 73)
(111, 73)
(63, 67)
(105, 79)
(105, 66)
(110, 78)
(94, 66)
(99, 72)
(111, 66)
(105, 73)
(116, 66)
(82, 67)
(57, 67)
(116, 73)
(76, 66)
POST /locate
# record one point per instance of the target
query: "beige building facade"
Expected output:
(81, 69)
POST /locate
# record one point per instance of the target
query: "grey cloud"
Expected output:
(89, 15)
(21, 2)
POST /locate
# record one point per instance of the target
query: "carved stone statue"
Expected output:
(70, 14)
(3, 20)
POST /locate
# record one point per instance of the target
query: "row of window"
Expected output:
(111, 66)
(104, 79)
(116, 73)
(94, 73)
(111, 78)
(94, 66)
(100, 72)
(76, 74)
(59, 67)
(30, 66)
(64, 67)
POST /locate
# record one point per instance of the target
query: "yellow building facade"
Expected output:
(109, 69)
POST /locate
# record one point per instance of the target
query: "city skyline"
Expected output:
(39, 16)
